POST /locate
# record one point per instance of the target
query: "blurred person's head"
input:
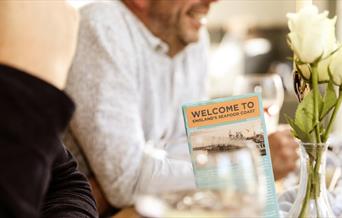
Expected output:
(177, 22)
(38, 37)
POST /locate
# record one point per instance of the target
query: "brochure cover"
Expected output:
(221, 125)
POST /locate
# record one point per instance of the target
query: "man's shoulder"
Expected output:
(106, 24)
(105, 13)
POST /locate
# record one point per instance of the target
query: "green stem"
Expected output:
(317, 212)
(319, 150)
(333, 116)
(307, 192)
(316, 186)
(313, 189)
(314, 81)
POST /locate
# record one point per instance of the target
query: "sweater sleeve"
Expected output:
(69, 193)
(107, 122)
(24, 176)
(37, 175)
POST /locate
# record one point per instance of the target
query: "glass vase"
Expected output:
(312, 196)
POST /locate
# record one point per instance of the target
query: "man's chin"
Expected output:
(190, 37)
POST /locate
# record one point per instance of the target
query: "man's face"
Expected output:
(180, 19)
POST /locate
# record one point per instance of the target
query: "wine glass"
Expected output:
(271, 88)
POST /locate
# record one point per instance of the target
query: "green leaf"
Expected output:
(304, 117)
(297, 131)
(329, 100)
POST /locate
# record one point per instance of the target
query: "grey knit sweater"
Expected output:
(129, 94)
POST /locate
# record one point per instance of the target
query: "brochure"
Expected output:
(221, 125)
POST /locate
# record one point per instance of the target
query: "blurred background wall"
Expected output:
(248, 45)
(255, 12)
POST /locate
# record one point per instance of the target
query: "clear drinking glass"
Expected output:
(232, 185)
(271, 88)
(234, 176)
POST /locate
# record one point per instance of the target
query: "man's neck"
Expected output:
(176, 47)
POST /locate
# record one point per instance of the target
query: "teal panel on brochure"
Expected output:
(221, 127)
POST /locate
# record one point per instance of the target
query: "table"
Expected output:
(128, 212)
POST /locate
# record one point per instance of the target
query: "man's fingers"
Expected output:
(287, 151)
(286, 167)
(284, 152)
(289, 166)
(292, 144)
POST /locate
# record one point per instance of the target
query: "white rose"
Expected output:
(335, 69)
(323, 69)
(312, 35)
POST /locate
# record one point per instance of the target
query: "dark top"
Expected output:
(38, 176)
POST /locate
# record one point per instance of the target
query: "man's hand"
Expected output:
(283, 153)
(101, 201)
